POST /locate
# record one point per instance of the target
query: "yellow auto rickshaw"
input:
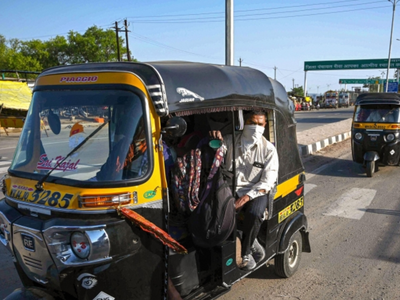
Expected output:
(87, 211)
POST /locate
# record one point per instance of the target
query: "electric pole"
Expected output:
(116, 32)
(127, 43)
(240, 62)
(275, 72)
(293, 83)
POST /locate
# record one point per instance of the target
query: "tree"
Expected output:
(11, 58)
(297, 92)
(95, 45)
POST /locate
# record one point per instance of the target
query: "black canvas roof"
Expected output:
(378, 98)
(184, 87)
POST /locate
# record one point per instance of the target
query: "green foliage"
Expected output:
(297, 92)
(95, 45)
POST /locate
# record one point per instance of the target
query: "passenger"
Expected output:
(383, 115)
(256, 174)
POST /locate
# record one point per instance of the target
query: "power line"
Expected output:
(243, 17)
(243, 10)
(153, 42)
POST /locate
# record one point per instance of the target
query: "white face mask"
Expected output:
(253, 131)
(251, 134)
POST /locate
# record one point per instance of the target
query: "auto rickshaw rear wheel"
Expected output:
(287, 263)
(370, 168)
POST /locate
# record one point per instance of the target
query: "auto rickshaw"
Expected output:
(87, 212)
(375, 131)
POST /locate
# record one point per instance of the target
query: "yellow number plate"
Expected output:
(286, 212)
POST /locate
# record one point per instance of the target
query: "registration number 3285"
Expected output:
(49, 198)
(287, 211)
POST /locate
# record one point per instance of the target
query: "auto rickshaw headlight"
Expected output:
(80, 244)
(358, 136)
(390, 137)
(73, 246)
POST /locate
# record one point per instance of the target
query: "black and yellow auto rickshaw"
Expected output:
(87, 213)
(375, 131)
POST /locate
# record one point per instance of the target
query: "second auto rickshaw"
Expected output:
(87, 212)
(375, 131)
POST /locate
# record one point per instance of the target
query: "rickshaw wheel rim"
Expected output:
(293, 254)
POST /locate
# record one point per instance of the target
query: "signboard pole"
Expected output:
(305, 84)
(390, 44)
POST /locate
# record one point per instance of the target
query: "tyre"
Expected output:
(287, 263)
(370, 168)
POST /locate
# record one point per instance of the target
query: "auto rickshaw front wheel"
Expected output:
(370, 168)
(287, 263)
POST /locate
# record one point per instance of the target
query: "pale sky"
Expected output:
(267, 34)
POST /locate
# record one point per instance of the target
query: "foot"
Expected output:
(248, 262)
(257, 251)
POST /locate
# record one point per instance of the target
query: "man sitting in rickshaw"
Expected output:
(257, 167)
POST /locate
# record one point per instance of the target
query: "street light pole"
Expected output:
(390, 43)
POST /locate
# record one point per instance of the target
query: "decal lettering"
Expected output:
(66, 166)
(73, 79)
(150, 194)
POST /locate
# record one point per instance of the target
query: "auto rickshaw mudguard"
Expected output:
(371, 156)
(31, 293)
(298, 221)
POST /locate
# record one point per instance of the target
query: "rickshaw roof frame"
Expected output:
(181, 87)
(378, 98)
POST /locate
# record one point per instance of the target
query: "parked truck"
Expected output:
(331, 99)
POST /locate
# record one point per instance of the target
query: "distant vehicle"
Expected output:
(331, 99)
(344, 99)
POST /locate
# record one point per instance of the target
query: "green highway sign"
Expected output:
(364, 81)
(351, 64)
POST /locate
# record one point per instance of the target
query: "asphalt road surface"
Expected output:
(314, 118)
(354, 234)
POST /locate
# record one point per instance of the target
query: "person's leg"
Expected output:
(252, 222)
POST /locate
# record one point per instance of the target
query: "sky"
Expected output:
(276, 37)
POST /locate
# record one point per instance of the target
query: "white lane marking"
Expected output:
(4, 163)
(352, 204)
(308, 187)
(3, 170)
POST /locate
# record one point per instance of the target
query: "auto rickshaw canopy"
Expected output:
(184, 87)
(378, 98)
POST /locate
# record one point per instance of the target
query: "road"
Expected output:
(354, 234)
(310, 119)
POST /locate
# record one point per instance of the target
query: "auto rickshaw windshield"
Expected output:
(377, 113)
(58, 122)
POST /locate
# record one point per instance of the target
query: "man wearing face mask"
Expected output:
(256, 174)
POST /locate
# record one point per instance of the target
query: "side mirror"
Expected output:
(175, 127)
(54, 122)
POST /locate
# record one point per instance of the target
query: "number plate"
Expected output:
(48, 198)
(286, 212)
(373, 138)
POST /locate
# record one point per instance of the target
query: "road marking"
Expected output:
(308, 187)
(3, 170)
(4, 163)
(352, 204)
